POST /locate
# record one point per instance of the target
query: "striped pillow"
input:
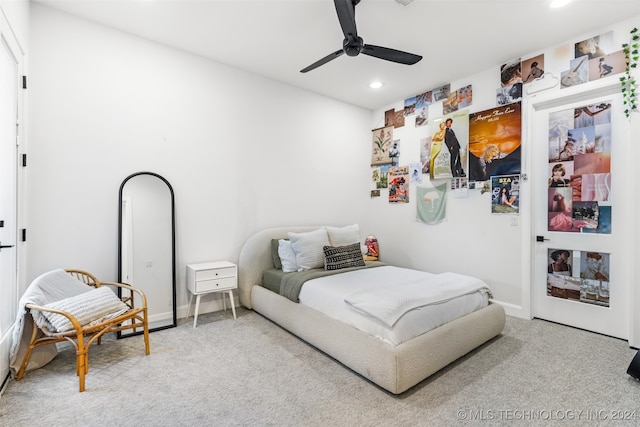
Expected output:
(336, 258)
(92, 307)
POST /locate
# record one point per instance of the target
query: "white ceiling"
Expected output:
(277, 38)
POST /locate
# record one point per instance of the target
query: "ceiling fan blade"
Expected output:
(323, 61)
(390, 54)
(346, 10)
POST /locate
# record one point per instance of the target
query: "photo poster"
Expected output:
(579, 181)
(390, 117)
(425, 153)
(441, 93)
(416, 172)
(449, 148)
(532, 68)
(495, 137)
(394, 152)
(398, 118)
(579, 276)
(431, 203)
(399, 184)
(594, 58)
(465, 96)
(423, 100)
(577, 74)
(458, 99)
(510, 82)
(410, 106)
(381, 143)
(505, 194)
(460, 187)
(383, 177)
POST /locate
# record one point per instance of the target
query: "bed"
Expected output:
(394, 366)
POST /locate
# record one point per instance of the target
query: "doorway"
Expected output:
(10, 62)
(582, 224)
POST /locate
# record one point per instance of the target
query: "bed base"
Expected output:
(396, 368)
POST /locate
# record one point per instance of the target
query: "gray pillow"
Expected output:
(274, 254)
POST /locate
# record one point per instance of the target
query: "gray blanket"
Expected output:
(47, 288)
(292, 282)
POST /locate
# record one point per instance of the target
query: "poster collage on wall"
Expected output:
(482, 150)
(580, 169)
(579, 190)
(579, 178)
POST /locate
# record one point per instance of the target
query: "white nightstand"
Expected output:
(218, 276)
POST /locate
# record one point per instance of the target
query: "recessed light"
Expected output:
(559, 3)
(375, 85)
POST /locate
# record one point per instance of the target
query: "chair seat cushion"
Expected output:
(89, 308)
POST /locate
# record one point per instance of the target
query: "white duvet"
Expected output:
(330, 294)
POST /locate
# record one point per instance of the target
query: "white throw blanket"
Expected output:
(47, 288)
(389, 303)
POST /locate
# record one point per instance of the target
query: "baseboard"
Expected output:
(512, 309)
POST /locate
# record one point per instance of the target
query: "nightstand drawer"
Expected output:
(217, 273)
(215, 284)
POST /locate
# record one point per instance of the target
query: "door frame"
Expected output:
(543, 100)
(7, 36)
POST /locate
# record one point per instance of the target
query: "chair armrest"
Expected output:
(77, 326)
(130, 288)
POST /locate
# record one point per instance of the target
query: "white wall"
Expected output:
(472, 240)
(241, 152)
(17, 14)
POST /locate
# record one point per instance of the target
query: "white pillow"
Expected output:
(309, 248)
(343, 236)
(287, 256)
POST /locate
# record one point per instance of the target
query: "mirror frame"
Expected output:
(173, 251)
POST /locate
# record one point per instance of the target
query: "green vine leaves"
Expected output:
(628, 81)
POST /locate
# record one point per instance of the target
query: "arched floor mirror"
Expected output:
(146, 246)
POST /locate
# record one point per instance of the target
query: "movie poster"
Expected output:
(494, 142)
(399, 184)
(579, 182)
(449, 142)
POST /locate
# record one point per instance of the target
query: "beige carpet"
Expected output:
(251, 372)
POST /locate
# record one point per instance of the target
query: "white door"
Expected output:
(583, 207)
(8, 195)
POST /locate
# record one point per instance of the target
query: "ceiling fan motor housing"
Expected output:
(352, 47)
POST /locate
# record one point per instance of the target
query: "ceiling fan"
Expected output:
(354, 45)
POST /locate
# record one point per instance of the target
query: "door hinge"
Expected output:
(24, 234)
(24, 160)
(24, 82)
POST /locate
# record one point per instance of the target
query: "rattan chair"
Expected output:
(83, 336)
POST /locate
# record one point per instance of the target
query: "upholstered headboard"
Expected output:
(255, 257)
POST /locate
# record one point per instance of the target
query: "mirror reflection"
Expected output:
(146, 258)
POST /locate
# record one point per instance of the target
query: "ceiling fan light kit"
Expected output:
(353, 45)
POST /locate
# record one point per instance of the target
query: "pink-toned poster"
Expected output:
(579, 182)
